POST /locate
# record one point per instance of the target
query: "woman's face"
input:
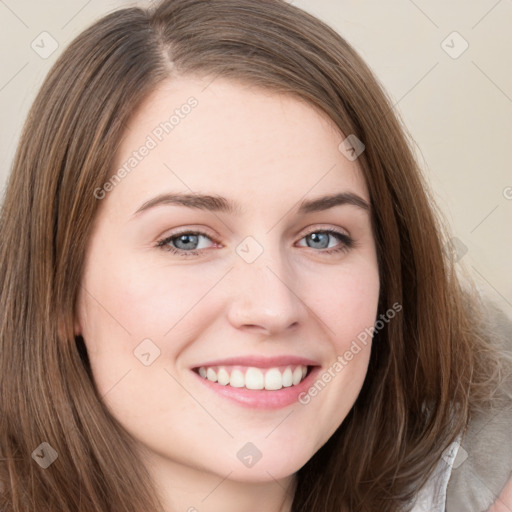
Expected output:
(211, 255)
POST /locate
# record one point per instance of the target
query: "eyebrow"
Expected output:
(217, 203)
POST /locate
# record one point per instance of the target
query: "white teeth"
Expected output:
(297, 375)
(223, 376)
(254, 379)
(237, 379)
(271, 379)
(287, 378)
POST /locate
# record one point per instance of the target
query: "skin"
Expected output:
(504, 502)
(268, 152)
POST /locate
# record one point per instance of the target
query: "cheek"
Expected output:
(132, 299)
(135, 297)
(346, 300)
(347, 306)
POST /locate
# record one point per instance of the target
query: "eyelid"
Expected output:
(322, 227)
(188, 230)
(206, 232)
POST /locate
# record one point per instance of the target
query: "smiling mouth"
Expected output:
(250, 377)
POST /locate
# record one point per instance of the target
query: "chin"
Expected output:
(276, 467)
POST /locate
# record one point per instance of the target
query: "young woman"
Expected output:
(224, 287)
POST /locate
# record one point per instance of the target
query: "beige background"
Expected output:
(458, 108)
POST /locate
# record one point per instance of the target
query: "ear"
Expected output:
(78, 319)
(68, 327)
(77, 327)
(78, 315)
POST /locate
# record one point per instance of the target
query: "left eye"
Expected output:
(320, 239)
(185, 242)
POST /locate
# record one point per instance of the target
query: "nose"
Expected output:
(265, 296)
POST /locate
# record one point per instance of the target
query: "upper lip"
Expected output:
(260, 361)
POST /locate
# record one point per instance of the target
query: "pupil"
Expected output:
(187, 240)
(317, 239)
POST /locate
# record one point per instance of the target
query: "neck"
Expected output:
(186, 489)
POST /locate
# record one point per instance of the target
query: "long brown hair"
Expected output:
(430, 368)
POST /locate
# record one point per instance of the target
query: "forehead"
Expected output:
(232, 139)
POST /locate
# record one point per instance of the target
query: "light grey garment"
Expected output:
(432, 496)
(483, 464)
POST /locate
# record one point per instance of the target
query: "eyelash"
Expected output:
(347, 242)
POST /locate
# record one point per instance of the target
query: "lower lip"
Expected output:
(262, 398)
